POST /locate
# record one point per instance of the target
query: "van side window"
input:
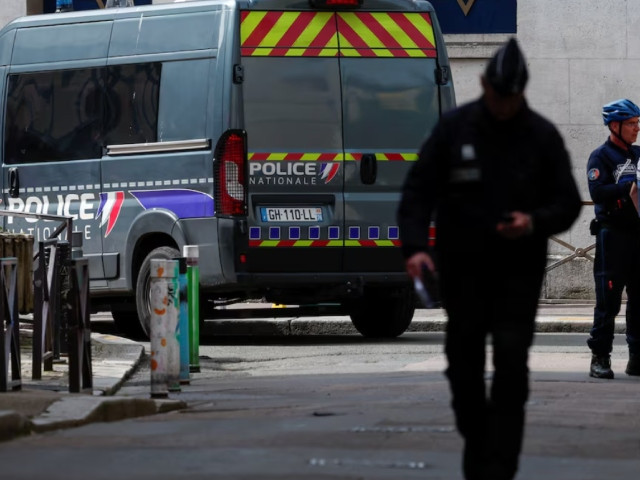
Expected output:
(55, 115)
(72, 114)
(131, 107)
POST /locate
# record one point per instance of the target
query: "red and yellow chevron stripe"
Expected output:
(386, 156)
(282, 34)
(329, 157)
(324, 243)
(329, 34)
(295, 157)
(389, 34)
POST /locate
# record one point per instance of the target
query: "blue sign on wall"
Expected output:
(476, 16)
(49, 6)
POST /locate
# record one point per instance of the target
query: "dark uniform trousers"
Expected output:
(504, 310)
(616, 266)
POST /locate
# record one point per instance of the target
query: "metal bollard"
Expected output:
(165, 351)
(191, 253)
(183, 323)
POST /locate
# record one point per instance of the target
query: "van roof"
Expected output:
(8, 32)
(109, 13)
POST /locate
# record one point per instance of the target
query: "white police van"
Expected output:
(273, 134)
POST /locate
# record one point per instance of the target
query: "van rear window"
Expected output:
(72, 114)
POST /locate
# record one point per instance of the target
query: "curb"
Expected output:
(114, 360)
(81, 410)
(343, 326)
(13, 425)
(120, 357)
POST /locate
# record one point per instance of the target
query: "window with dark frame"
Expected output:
(63, 115)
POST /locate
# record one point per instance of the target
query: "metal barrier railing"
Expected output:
(61, 312)
(79, 330)
(46, 279)
(9, 328)
(577, 252)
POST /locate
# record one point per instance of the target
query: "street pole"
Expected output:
(183, 323)
(165, 354)
(191, 253)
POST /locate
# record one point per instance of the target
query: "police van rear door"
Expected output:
(293, 118)
(390, 102)
(338, 97)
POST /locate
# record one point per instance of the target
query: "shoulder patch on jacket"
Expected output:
(593, 174)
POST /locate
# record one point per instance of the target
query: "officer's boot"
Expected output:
(633, 365)
(601, 366)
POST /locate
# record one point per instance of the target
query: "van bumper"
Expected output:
(318, 287)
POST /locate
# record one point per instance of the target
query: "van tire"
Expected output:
(144, 281)
(382, 314)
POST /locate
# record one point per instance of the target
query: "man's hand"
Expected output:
(520, 224)
(416, 261)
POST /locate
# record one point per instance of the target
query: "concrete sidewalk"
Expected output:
(45, 404)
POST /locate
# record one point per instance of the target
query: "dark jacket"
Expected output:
(473, 169)
(611, 171)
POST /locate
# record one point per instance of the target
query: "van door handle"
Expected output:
(368, 168)
(14, 182)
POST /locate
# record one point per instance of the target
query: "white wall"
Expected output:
(581, 55)
(12, 9)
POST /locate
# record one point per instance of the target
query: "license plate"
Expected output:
(291, 214)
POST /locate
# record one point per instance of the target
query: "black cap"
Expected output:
(507, 70)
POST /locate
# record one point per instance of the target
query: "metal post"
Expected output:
(165, 354)
(45, 285)
(63, 304)
(183, 323)
(9, 326)
(79, 331)
(191, 253)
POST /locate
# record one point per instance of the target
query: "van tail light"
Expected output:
(432, 235)
(230, 174)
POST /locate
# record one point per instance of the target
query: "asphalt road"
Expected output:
(339, 406)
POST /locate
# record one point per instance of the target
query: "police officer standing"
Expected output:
(496, 178)
(611, 171)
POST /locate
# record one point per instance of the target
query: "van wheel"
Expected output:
(143, 283)
(380, 314)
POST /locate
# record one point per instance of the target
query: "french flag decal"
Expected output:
(109, 209)
(328, 171)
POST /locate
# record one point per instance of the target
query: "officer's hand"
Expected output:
(415, 262)
(521, 224)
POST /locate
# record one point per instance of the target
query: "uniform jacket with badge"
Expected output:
(611, 171)
(473, 169)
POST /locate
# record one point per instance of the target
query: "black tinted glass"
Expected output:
(73, 114)
(54, 115)
(131, 107)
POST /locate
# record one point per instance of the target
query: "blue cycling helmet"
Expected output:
(619, 111)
